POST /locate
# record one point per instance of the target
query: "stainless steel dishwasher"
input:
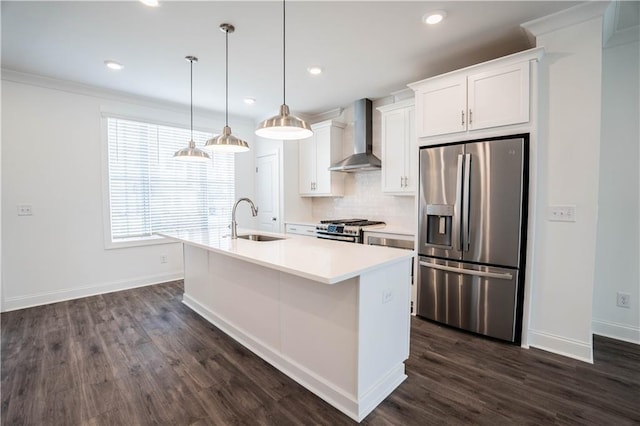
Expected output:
(401, 243)
(390, 242)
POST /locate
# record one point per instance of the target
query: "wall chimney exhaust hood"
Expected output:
(362, 158)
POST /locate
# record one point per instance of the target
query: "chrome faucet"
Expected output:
(234, 224)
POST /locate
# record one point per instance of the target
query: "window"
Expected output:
(150, 191)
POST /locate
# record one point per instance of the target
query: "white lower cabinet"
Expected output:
(399, 148)
(300, 229)
(317, 153)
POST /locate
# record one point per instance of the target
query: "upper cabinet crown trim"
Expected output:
(328, 123)
(401, 104)
(534, 54)
(564, 18)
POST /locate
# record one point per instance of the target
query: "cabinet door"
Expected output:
(441, 106)
(410, 152)
(322, 137)
(306, 165)
(499, 97)
(393, 147)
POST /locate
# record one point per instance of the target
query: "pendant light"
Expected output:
(191, 153)
(226, 141)
(284, 126)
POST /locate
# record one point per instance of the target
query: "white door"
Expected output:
(267, 189)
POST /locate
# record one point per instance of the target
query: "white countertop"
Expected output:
(316, 259)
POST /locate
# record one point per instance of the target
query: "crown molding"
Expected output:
(327, 115)
(108, 94)
(613, 33)
(565, 18)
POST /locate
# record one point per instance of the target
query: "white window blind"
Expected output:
(150, 191)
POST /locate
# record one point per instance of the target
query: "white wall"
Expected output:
(568, 170)
(618, 234)
(51, 159)
(363, 197)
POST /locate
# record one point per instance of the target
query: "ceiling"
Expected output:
(366, 48)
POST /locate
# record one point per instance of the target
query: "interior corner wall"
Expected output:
(52, 160)
(569, 145)
(618, 236)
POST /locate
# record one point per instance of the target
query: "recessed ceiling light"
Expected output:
(113, 65)
(152, 3)
(432, 18)
(314, 70)
(249, 101)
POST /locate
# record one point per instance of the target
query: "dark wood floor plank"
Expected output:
(142, 357)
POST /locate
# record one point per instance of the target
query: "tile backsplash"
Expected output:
(363, 198)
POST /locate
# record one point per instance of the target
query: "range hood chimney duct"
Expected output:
(362, 158)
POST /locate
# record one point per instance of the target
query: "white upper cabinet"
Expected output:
(492, 94)
(399, 148)
(498, 97)
(317, 153)
(441, 106)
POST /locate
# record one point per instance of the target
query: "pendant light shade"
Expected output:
(226, 141)
(191, 153)
(284, 125)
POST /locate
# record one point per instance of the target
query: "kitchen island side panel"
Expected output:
(245, 296)
(384, 325)
(309, 330)
(318, 325)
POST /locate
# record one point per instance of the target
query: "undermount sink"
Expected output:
(258, 237)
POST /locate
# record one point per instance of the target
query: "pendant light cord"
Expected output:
(284, 51)
(191, 100)
(226, 84)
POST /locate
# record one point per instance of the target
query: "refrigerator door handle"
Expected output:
(501, 276)
(456, 234)
(466, 202)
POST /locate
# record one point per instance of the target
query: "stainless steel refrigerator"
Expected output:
(472, 232)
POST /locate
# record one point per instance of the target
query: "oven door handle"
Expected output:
(349, 239)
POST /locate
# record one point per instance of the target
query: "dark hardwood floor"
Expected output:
(142, 357)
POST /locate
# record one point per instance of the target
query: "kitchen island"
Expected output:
(333, 316)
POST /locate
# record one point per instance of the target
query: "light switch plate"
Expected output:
(562, 213)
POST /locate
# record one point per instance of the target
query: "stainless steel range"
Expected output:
(348, 230)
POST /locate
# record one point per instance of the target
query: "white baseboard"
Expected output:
(45, 298)
(338, 398)
(582, 351)
(616, 330)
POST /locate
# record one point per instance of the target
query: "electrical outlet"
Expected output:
(623, 300)
(25, 210)
(164, 258)
(562, 213)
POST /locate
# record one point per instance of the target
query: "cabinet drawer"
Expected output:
(294, 228)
